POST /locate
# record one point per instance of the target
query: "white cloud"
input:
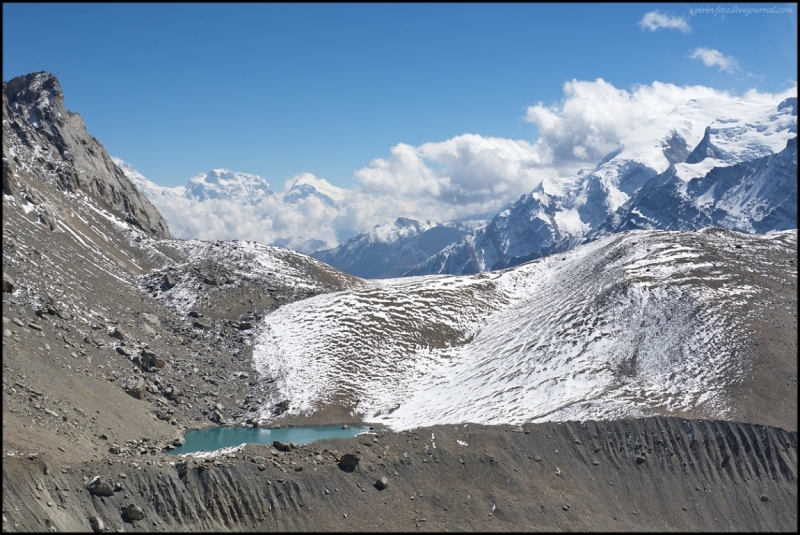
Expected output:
(715, 58)
(595, 117)
(655, 20)
(467, 174)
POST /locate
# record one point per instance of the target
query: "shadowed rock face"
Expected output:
(46, 142)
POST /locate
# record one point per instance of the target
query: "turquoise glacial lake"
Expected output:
(224, 437)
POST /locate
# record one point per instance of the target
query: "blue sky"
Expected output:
(278, 90)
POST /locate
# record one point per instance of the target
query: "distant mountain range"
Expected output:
(709, 166)
(390, 250)
(385, 251)
(242, 199)
(709, 163)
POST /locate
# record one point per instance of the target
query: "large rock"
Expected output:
(349, 461)
(281, 446)
(135, 387)
(201, 323)
(96, 523)
(152, 319)
(8, 283)
(169, 281)
(100, 487)
(116, 332)
(281, 407)
(134, 512)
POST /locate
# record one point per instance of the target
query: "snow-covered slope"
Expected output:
(390, 250)
(635, 323)
(244, 260)
(753, 196)
(696, 140)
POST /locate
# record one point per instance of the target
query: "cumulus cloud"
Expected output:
(715, 58)
(655, 20)
(471, 173)
(594, 118)
(467, 172)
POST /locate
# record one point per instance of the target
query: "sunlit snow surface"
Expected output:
(625, 325)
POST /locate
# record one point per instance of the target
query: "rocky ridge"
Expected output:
(390, 250)
(41, 138)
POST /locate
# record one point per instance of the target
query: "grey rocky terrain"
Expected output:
(117, 339)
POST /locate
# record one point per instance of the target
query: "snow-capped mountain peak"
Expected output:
(223, 183)
(644, 183)
(306, 184)
(391, 249)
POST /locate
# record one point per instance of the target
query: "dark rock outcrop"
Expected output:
(39, 132)
(349, 461)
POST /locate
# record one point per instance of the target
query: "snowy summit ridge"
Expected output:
(674, 166)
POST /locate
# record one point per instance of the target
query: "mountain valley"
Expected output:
(644, 379)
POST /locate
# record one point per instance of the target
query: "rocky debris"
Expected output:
(180, 495)
(8, 283)
(134, 512)
(169, 281)
(116, 332)
(281, 446)
(96, 523)
(100, 487)
(641, 457)
(281, 407)
(349, 461)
